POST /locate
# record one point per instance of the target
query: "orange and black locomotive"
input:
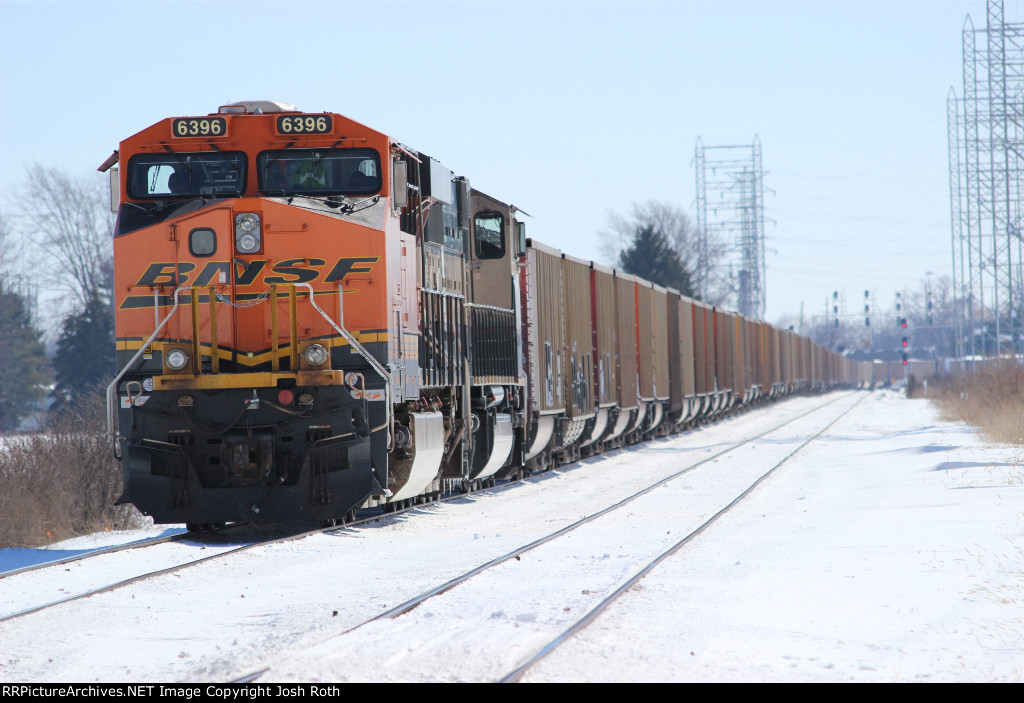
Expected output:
(313, 317)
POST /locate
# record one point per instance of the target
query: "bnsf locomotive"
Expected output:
(313, 317)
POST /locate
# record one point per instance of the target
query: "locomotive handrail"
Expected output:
(338, 327)
(376, 365)
(112, 388)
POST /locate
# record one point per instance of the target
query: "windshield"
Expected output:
(319, 172)
(186, 175)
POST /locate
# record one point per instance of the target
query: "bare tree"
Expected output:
(68, 218)
(14, 279)
(710, 282)
(930, 309)
(8, 244)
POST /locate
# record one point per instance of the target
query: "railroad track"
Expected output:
(632, 501)
(21, 599)
(10, 600)
(112, 549)
(16, 608)
(516, 674)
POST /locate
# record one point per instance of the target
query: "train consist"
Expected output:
(313, 317)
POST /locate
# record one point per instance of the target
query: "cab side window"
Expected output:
(489, 235)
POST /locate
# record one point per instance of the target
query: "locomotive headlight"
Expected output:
(315, 355)
(247, 232)
(247, 222)
(176, 359)
(247, 242)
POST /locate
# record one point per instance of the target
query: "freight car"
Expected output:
(313, 317)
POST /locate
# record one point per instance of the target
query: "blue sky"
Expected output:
(568, 110)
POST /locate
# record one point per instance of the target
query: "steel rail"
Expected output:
(89, 553)
(592, 615)
(179, 567)
(412, 603)
(519, 551)
(418, 600)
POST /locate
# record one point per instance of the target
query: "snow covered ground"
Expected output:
(889, 549)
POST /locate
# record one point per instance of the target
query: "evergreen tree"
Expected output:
(650, 256)
(85, 357)
(24, 368)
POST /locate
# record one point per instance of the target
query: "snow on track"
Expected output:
(484, 628)
(867, 561)
(886, 550)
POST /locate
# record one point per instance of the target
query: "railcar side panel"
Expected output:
(680, 351)
(546, 327)
(604, 319)
(625, 303)
(578, 342)
(724, 377)
(659, 342)
(739, 356)
(645, 340)
(703, 345)
(687, 347)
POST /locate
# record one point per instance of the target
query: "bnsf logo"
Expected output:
(306, 270)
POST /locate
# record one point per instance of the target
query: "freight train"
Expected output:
(312, 317)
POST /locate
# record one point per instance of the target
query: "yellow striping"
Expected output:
(262, 357)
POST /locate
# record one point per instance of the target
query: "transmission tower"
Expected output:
(733, 178)
(986, 165)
